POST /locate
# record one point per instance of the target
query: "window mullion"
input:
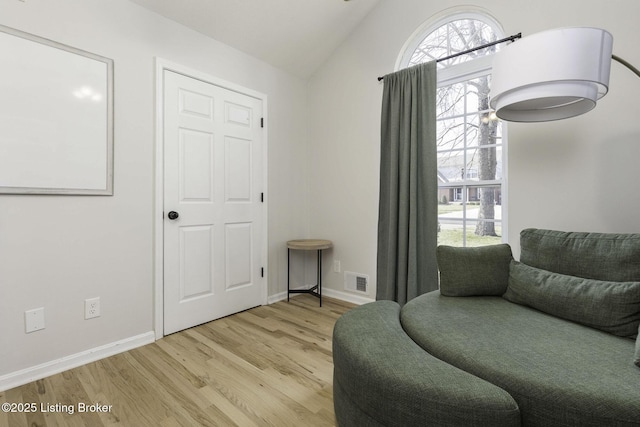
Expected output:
(465, 188)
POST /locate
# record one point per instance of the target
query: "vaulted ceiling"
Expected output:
(294, 35)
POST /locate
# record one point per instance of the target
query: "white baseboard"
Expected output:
(332, 293)
(272, 299)
(37, 372)
(347, 296)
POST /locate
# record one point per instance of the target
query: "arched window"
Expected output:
(471, 146)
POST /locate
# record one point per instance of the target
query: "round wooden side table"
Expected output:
(308, 245)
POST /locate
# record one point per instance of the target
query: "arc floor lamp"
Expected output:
(553, 75)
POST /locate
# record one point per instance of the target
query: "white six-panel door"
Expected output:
(213, 172)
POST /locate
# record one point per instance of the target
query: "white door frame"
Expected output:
(158, 223)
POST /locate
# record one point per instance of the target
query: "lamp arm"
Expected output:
(626, 64)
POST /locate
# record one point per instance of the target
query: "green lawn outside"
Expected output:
(452, 234)
(454, 238)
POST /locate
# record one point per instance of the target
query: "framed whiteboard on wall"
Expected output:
(56, 117)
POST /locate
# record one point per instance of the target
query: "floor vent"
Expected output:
(356, 282)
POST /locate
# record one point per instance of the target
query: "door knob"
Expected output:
(173, 215)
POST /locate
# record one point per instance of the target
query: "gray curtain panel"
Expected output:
(408, 215)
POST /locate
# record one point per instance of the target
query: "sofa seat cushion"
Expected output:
(560, 373)
(383, 378)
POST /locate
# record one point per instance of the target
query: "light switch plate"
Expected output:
(34, 320)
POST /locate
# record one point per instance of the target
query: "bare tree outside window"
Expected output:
(469, 137)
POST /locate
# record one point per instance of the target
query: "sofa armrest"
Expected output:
(382, 377)
(481, 271)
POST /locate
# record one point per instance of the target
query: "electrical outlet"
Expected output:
(34, 320)
(336, 266)
(92, 308)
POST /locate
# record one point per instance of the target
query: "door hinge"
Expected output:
(262, 272)
(261, 122)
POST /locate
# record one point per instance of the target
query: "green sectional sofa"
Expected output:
(550, 340)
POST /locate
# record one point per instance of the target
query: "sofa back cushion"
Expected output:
(612, 307)
(601, 256)
(474, 271)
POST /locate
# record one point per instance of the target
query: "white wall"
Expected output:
(57, 251)
(578, 174)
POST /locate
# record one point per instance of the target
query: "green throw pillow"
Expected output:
(613, 307)
(474, 271)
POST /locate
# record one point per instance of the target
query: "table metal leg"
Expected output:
(319, 281)
(288, 268)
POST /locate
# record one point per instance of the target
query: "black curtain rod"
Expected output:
(464, 52)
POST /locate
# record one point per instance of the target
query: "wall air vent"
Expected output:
(356, 282)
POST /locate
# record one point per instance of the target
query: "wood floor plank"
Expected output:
(268, 366)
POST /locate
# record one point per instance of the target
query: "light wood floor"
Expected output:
(268, 366)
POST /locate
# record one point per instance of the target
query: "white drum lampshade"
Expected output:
(551, 75)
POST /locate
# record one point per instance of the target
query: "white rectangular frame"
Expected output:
(35, 159)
